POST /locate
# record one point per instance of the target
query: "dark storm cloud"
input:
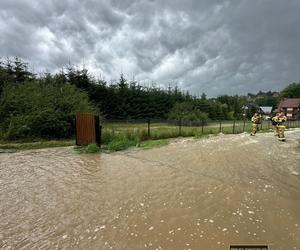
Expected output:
(207, 46)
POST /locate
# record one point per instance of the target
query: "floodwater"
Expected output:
(191, 194)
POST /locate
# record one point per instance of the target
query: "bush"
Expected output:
(187, 111)
(40, 110)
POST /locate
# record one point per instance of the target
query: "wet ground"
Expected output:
(191, 194)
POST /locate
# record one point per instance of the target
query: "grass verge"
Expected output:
(113, 140)
(36, 145)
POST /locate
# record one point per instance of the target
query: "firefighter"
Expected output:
(280, 126)
(274, 123)
(256, 120)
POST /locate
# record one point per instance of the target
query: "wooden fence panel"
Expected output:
(87, 129)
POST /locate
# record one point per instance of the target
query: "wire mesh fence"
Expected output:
(161, 129)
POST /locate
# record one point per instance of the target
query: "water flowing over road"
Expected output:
(191, 194)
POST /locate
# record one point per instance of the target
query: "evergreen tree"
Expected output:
(291, 91)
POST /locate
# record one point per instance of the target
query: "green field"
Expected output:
(165, 130)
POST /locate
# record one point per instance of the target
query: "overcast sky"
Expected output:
(216, 47)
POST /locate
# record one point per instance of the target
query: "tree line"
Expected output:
(44, 105)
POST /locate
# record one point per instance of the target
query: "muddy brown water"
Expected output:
(191, 194)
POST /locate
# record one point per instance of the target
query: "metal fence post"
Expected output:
(180, 124)
(202, 129)
(148, 121)
(233, 127)
(100, 135)
(244, 124)
(220, 126)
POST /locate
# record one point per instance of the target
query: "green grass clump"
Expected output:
(107, 136)
(89, 149)
(122, 142)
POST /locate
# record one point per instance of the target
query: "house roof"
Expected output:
(266, 109)
(289, 103)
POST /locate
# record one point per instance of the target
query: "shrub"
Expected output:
(32, 109)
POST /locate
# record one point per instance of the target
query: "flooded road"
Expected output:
(191, 194)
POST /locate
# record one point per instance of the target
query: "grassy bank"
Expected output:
(35, 145)
(116, 137)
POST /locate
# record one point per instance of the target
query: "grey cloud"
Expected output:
(217, 47)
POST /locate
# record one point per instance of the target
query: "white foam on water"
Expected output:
(295, 172)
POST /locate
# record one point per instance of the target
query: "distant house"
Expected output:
(266, 111)
(290, 107)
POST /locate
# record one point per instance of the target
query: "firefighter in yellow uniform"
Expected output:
(256, 120)
(280, 126)
(274, 123)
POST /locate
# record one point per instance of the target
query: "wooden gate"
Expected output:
(88, 129)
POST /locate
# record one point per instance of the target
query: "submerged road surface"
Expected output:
(191, 194)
